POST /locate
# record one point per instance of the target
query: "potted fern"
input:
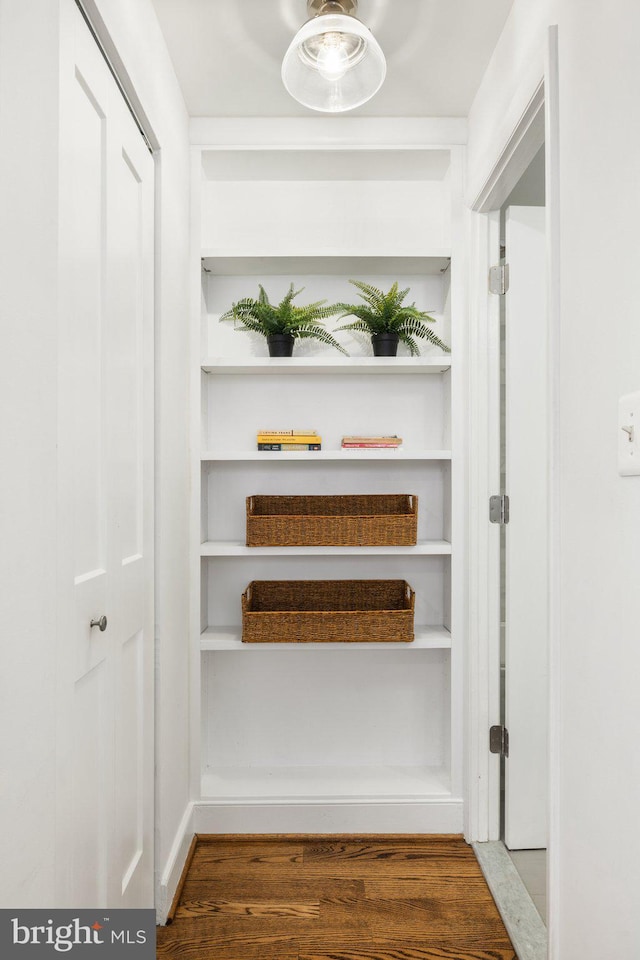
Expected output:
(285, 322)
(388, 322)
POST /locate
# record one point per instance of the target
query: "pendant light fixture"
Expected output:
(334, 63)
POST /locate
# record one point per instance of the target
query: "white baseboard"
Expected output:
(172, 871)
(354, 817)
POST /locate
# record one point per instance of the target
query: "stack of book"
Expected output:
(287, 440)
(371, 443)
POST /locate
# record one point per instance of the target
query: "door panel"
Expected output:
(128, 317)
(91, 786)
(85, 749)
(131, 434)
(82, 359)
(105, 477)
(129, 759)
(527, 572)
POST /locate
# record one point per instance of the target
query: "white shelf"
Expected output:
(322, 265)
(317, 783)
(279, 456)
(229, 638)
(237, 548)
(328, 364)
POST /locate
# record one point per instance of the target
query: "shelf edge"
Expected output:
(212, 641)
(351, 365)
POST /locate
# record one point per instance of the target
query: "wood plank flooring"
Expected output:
(334, 898)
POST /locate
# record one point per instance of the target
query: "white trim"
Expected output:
(459, 471)
(195, 562)
(170, 876)
(483, 768)
(329, 817)
(520, 149)
(282, 133)
(552, 190)
(523, 143)
(525, 133)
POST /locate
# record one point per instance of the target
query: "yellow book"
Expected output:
(291, 436)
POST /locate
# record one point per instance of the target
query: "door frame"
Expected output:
(525, 575)
(538, 123)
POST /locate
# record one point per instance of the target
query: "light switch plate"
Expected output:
(629, 435)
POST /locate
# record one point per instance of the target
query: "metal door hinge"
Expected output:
(499, 740)
(499, 508)
(499, 279)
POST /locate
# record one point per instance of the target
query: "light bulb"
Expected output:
(333, 56)
(332, 53)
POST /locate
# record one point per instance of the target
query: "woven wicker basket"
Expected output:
(304, 611)
(359, 520)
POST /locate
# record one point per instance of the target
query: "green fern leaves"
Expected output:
(261, 316)
(385, 313)
(379, 313)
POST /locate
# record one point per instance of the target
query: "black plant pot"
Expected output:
(384, 344)
(280, 345)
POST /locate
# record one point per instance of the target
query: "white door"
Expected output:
(105, 559)
(526, 558)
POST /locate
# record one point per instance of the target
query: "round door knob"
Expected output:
(101, 624)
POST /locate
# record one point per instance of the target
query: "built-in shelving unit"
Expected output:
(339, 736)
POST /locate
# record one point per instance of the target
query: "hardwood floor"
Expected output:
(334, 898)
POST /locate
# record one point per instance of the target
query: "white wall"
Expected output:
(402, 218)
(28, 386)
(514, 71)
(140, 51)
(597, 783)
(599, 787)
(28, 271)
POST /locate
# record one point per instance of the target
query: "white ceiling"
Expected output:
(227, 54)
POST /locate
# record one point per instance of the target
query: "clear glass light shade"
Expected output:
(333, 64)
